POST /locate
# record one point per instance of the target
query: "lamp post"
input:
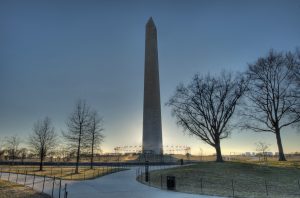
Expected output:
(146, 171)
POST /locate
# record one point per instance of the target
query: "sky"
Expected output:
(53, 53)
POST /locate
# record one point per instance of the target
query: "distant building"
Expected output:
(249, 154)
(269, 153)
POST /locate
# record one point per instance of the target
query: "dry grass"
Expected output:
(248, 179)
(63, 172)
(275, 163)
(12, 190)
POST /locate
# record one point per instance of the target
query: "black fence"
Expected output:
(221, 186)
(50, 185)
(121, 164)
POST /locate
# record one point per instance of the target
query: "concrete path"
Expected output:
(117, 185)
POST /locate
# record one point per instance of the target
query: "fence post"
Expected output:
(17, 176)
(161, 182)
(232, 185)
(299, 184)
(201, 184)
(266, 188)
(25, 178)
(59, 188)
(66, 193)
(44, 183)
(8, 176)
(33, 180)
(142, 175)
(1, 174)
(83, 174)
(53, 186)
(60, 172)
(98, 173)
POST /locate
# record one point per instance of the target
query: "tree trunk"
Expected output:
(41, 161)
(13, 156)
(218, 151)
(92, 157)
(279, 144)
(78, 151)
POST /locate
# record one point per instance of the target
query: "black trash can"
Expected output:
(181, 162)
(171, 183)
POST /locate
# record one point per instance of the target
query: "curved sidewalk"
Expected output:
(116, 185)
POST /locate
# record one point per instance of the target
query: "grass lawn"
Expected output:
(278, 179)
(12, 190)
(63, 172)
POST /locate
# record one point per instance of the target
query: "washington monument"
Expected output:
(152, 133)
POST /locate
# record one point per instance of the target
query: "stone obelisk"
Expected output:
(152, 133)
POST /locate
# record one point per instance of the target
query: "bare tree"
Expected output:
(262, 148)
(23, 154)
(94, 135)
(63, 152)
(78, 124)
(12, 144)
(43, 139)
(272, 99)
(204, 107)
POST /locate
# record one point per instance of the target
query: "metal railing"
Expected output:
(223, 186)
(49, 185)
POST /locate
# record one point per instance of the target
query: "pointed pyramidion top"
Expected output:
(150, 22)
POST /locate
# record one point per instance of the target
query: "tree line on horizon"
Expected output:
(267, 96)
(85, 132)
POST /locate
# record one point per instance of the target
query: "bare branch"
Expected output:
(272, 99)
(204, 107)
(43, 139)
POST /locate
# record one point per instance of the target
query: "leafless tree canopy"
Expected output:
(94, 135)
(12, 144)
(23, 153)
(205, 106)
(78, 125)
(272, 98)
(43, 139)
(262, 148)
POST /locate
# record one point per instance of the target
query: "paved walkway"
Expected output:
(117, 185)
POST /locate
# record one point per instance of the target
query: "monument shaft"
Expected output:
(152, 130)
